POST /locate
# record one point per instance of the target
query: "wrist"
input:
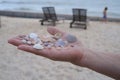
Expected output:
(82, 57)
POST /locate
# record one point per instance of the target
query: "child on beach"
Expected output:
(105, 14)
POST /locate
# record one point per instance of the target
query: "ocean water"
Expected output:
(94, 7)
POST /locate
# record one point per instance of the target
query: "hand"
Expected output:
(71, 53)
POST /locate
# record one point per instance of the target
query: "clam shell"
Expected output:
(38, 46)
(24, 41)
(71, 38)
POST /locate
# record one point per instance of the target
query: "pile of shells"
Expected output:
(48, 41)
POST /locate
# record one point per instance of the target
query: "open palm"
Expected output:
(69, 53)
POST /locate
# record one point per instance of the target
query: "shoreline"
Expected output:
(28, 14)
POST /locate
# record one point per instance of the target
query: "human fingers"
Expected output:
(43, 52)
(51, 53)
(16, 40)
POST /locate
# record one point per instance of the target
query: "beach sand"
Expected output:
(20, 65)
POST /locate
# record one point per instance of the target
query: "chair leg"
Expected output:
(0, 21)
(85, 26)
(71, 24)
(42, 22)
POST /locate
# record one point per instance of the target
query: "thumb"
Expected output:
(53, 31)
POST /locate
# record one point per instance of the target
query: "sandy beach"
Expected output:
(19, 65)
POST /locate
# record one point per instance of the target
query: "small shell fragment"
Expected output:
(29, 42)
(38, 46)
(26, 38)
(33, 42)
(57, 35)
(24, 41)
(38, 41)
(47, 38)
(60, 43)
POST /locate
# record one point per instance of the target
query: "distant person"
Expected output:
(105, 14)
(105, 63)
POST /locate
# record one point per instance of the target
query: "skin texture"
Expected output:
(105, 63)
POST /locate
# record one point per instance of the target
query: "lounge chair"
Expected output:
(49, 15)
(79, 17)
(0, 22)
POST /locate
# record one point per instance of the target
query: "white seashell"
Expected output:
(38, 46)
(33, 36)
(24, 41)
(29, 42)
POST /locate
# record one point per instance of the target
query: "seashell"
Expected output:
(38, 46)
(47, 36)
(71, 38)
(60, 43)
(26, 38)
(57, 35)
(33, 42)
(37, 40)
(33, 36)
(46, 44)
(47, 39)
(24, 41)
(29, 42)
(49, 46)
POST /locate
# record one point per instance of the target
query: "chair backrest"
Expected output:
(49, 13)
(79, 14)
(46, 12)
